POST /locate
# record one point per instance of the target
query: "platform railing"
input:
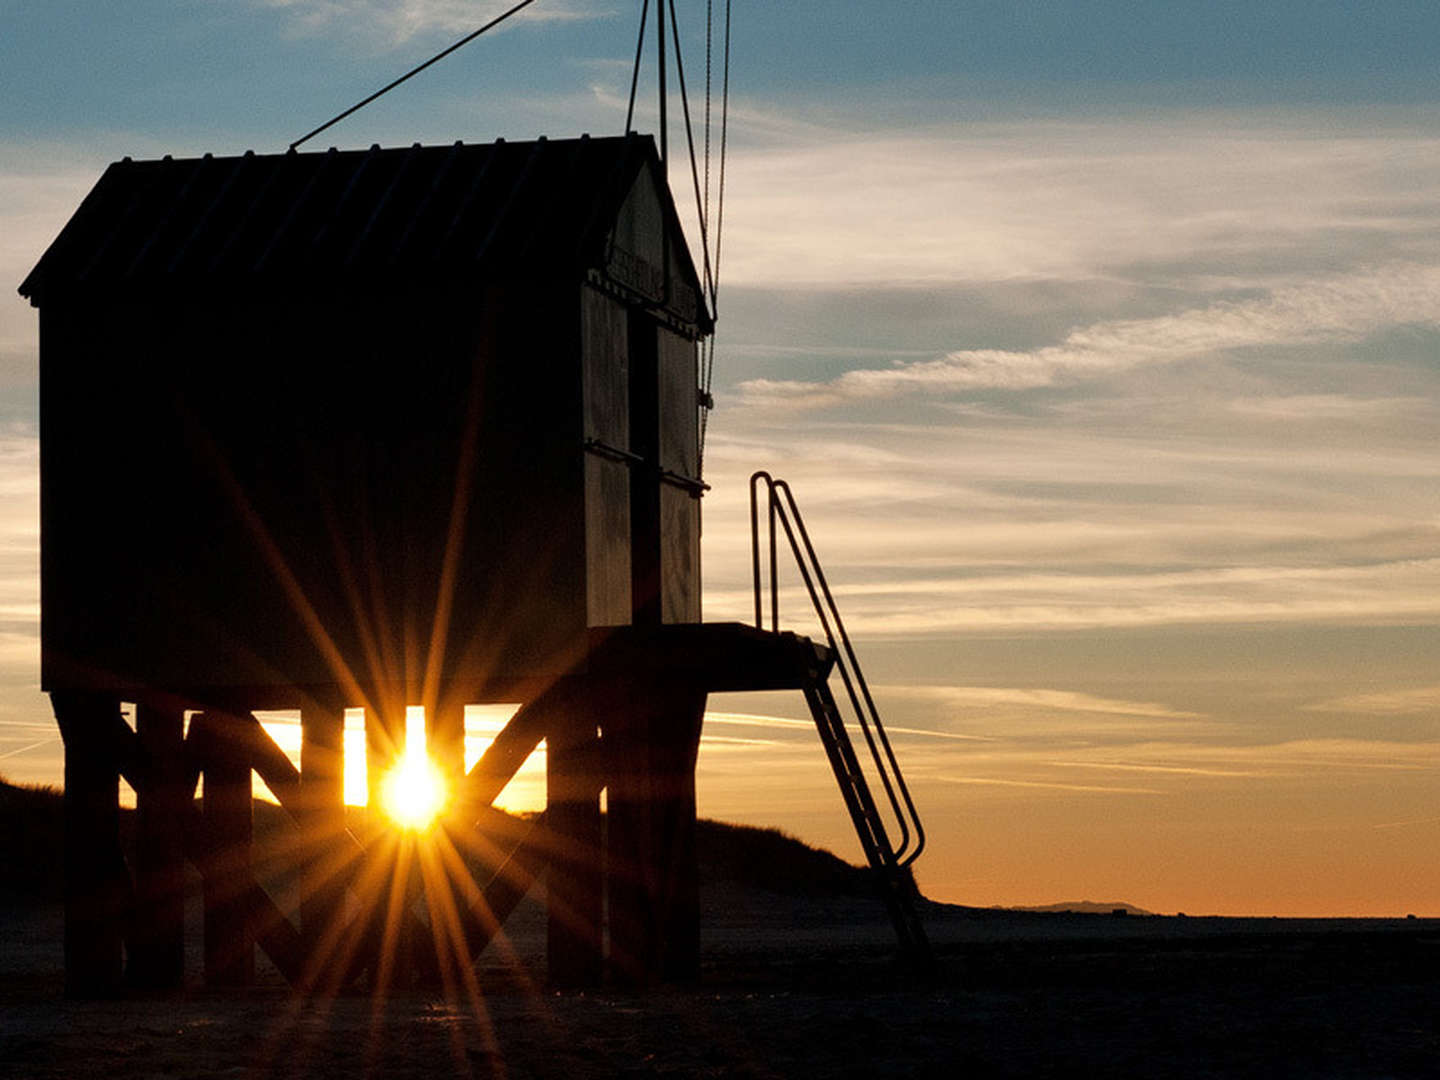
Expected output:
(781, 508)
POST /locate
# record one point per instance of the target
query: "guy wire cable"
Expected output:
(635, 71)
(708, 354)
(412, 73)
(690, 142)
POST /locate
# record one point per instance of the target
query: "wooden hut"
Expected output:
(371, 429)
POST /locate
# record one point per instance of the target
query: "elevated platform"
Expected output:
(625, 718)
(714, 657)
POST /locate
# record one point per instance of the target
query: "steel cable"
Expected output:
(635, 71)
(412, 73)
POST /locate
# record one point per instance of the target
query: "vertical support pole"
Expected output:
(157, 951)
(445, 745)
(445, 740)
(653, 734)
(629, 840)
(95, 874)
(389, 959)
(677, 747)
(575, 883)
(322, 793)
(226, 867)
(384, 743)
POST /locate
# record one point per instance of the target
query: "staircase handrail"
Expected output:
(781, 506)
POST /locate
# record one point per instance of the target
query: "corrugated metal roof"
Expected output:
(363, 215)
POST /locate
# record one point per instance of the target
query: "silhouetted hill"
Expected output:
(32, 837)
(776, 862)
(1085, 907)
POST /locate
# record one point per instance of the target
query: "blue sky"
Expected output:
(1099, 341)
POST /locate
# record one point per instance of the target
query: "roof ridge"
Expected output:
(377, 216)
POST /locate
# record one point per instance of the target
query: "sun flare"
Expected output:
(413, 793)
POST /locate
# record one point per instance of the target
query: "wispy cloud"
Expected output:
(1411, 702)
(397, 21)
(1328, 311)
(730, 741)
(1165, 770)
(1225, 774)
(40, 186)
(1229, 199)
(19, 551)
(807, 727)
(755, 720)
(1406, 824)
(1398, 592)
(1328, 407)
(992, 781)
(1034, 699)
(1289, 757)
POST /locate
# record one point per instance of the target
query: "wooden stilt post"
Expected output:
(629, 841)
(226, 867)
(95, 874)
(445, 739)
(384, 743)
(445, 745)
(653, 733)
(574, 884)
(676, 748)
(387, 943)
(322, 793)
(157, 951)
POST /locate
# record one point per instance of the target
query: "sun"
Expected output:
(413, 793)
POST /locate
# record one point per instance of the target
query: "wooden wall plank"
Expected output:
(679, 556)
(604, 365)
(679, 455)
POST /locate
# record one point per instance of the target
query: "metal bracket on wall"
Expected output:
(600, 448)
(696, 488)
(612, 453)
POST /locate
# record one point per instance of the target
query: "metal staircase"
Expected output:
(890, 863)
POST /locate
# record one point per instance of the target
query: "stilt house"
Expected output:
(378, 429)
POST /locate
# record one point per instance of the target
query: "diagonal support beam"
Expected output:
(502, 759)
(555, 709)
(269, 926)
(355, 864)
(482, 919)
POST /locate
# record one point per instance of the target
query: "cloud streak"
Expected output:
(1230, 199)
(808, 727)
(396, 22)
(991, 781)
(1034, 699)
(1330, 311)
(1406, 591)
(1413, 702)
